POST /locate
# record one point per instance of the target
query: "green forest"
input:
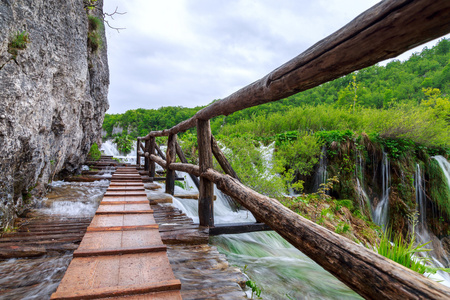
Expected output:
(401, 111)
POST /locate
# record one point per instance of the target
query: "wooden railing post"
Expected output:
(138, 157)
(152, 151)
(146, 158)
(206, 190)
(171, 157)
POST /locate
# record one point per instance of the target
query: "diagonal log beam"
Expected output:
(386, 30)
(366, 272)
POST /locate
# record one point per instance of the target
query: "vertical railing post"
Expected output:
(171, 156)
(152, 151)
(206, 191)
(146, 158)
(138, 157)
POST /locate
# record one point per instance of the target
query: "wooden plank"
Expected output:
(125, 212)
(384, 31)
(206, 189)
(171, 158)
(123, 202)
(122, 228)
(120, 251)
(117, 291)
(235, 228)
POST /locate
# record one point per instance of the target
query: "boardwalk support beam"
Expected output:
(206, 190)
(171, 157)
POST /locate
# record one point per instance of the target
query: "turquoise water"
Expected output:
(279, 269)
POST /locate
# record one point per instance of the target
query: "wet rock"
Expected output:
(159, 198)
(53, 99)
(152, 186)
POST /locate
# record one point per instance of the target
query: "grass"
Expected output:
(19, 41)
(95, 41)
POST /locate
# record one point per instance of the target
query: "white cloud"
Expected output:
(190, 52)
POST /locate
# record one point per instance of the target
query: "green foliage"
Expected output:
(346, 203)
(334, 136)
(246, 158)
(251, 284)
(342, 228)
(124, 143)
(19, 41)
(294, 157)
(180, 184)
(141, 121)
(188, 143)
(401, 251)
(95, 30)
(94, 152)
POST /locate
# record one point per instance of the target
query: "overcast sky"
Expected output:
(190, 52)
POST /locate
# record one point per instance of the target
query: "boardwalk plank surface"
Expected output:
(122, 254)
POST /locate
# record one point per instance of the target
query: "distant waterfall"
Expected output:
(110, 148)
(321, 173)
(380, 213)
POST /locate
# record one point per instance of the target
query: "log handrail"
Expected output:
(384, 31)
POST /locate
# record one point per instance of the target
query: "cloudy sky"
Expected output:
(190, 52)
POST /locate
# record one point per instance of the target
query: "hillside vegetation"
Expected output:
(400, 111)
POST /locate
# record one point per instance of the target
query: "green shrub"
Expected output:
(94, 152)
(18, 42)
(124, 143)
(95, 29)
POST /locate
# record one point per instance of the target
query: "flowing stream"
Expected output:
(38, 278)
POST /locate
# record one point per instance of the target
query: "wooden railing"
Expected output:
(384, 31)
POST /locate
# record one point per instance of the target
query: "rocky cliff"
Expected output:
(53, 93)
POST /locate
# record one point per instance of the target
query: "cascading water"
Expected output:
(282, 271)
(445, 166)
(423, 235)
(109, 148)
(380, 213)
(321, 173)
(38, 278)
(420, 195)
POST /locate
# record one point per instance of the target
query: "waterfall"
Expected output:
(423, 235)
(420, 195)
(380, 213)
(321, 173)
(110, 148)
(445, 166)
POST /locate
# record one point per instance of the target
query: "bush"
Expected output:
(18, 42)
(124, 143)
(95, 40)
(94, 152)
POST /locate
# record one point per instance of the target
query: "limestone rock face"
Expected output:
(53, 96)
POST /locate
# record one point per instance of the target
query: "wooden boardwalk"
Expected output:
(122, 255)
